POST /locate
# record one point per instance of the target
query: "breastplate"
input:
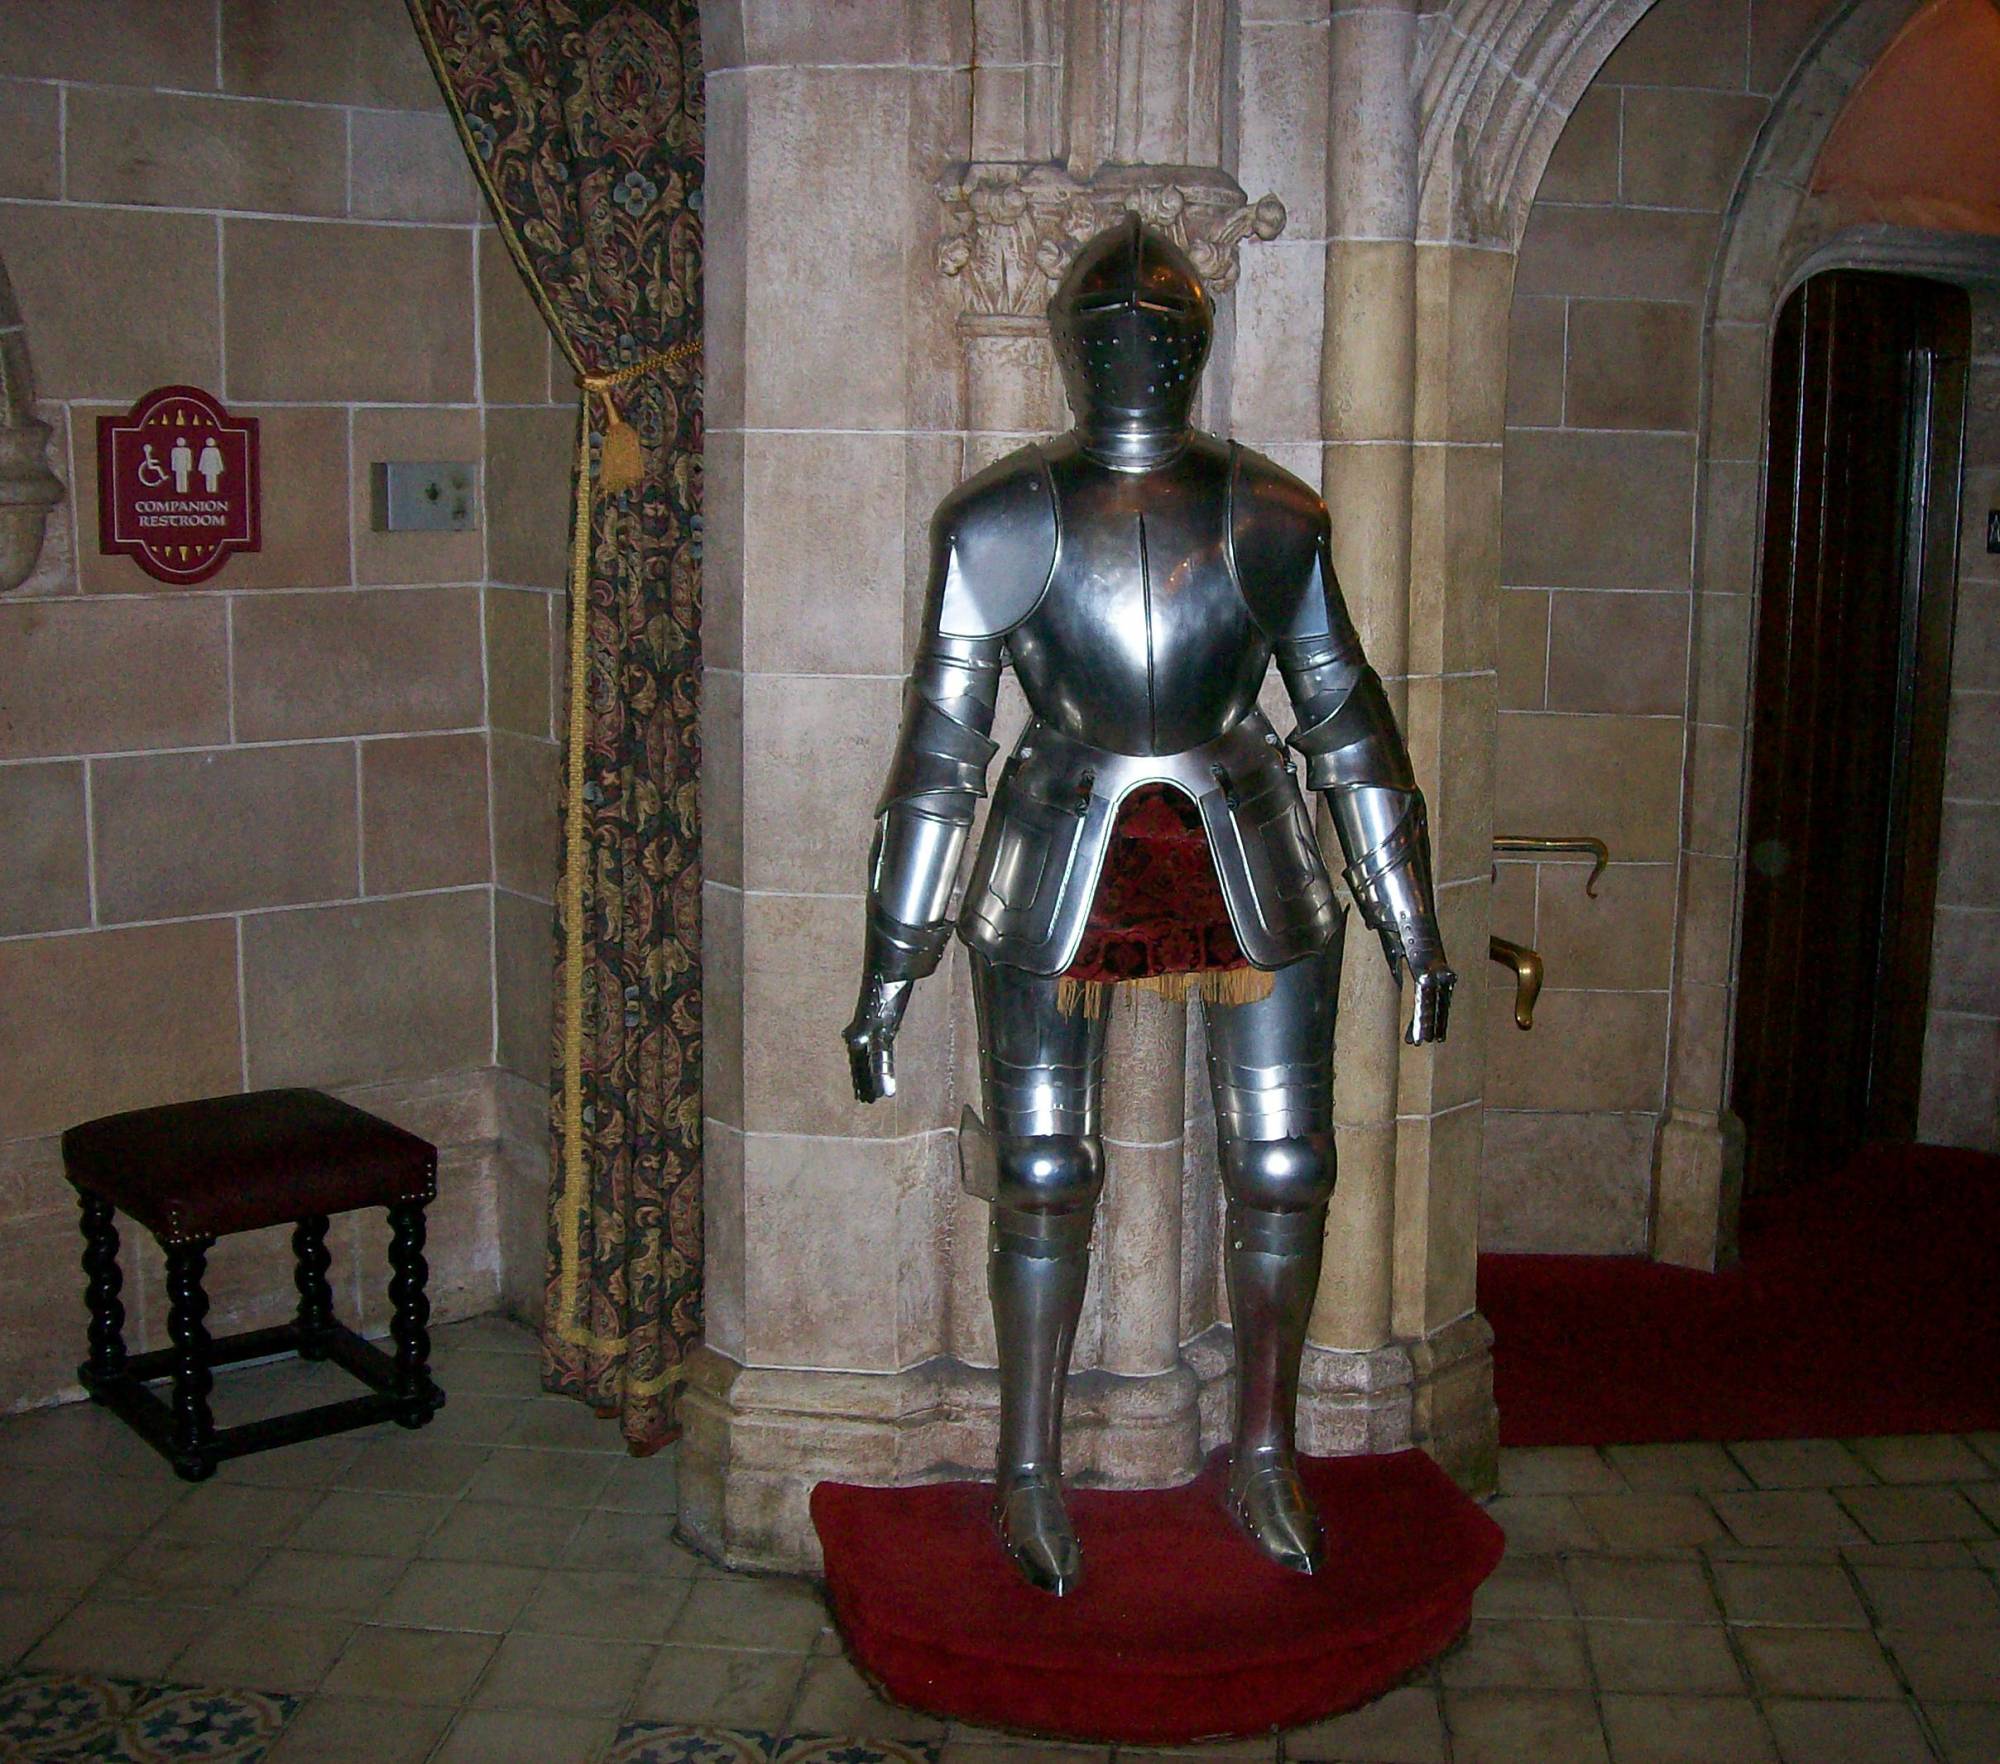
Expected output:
(1142, 643)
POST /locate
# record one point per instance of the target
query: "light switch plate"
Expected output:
(423, 496)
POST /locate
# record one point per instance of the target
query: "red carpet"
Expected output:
(1866, 1303)
(1180, 1630)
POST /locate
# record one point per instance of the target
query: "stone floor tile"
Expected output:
(492, 1531)
(1686, 1730)
(354, 1522)
(1542, 1524)
(79, 1436)
(35, 1561)
(525, 1736)
(1262, 1749)
(312, 1463)
(784, 1616)
(1932, 1598)
(643, 1485)
(541, 1478)
(235, 1514)
(1939, 1553)
(1799, 1463)
(733, 1687)
(1524, 1586)
(479, 1374)
(331, 1585)
(353, 1730)
(412, 1467)
(1920, 1457)
(410, 1665)
(1510, 1653)
(1986, 1497)
(1787, 1516)
(1546, 1470)
(1987, 1445)
(1692, 1467)
(121, 1640)
(1404, 1727)
(1816, 1663)
(1788, 1592)
(485, 1596)
(1642, 1522)
(1985, 1554)
(474, 1418)
(629, 1543)
(168, 1567)
(1948, 1665)
(834, 1698)
(494, 1333)
(87, 1506)
(564, 1424)
(1969, 1732)
(618, 1607)
(1810, 1731)
(1914, 1515)
(25, 1617)
(579, 1675)
(1622, 1586)
(1664, 1657)
(265, 1650)
(1523, 1727)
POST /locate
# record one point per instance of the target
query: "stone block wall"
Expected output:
(255, 827)
(1600, 634)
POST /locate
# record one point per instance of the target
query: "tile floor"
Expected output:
(505, 1586)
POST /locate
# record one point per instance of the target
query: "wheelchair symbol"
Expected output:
(149, 471)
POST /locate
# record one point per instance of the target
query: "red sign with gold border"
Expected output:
(177, 485)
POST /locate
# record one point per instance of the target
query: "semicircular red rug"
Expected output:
(1180, 1630)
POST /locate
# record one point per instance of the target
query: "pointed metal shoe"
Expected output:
(1035, 1528)
(1267, 1499)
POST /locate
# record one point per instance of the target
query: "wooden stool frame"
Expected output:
(184, 1431)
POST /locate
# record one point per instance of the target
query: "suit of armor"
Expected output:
(1140, 577)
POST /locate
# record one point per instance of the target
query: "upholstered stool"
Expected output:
(193, 1172)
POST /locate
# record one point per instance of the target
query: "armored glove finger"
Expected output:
(1432, 1011)
(871, 1037)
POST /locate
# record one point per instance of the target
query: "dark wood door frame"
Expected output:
(1847, 720)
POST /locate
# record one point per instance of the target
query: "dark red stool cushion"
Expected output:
(235, 1163)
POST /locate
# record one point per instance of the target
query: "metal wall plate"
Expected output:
(423, 495)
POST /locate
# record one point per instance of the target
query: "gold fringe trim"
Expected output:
(1216, 986)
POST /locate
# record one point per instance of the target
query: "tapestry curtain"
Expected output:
(583, 122)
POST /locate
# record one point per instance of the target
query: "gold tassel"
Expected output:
(622, 464)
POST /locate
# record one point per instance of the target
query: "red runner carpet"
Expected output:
(1180, 1630)
(1866, 1303)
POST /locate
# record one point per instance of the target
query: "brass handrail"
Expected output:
(1527, 966)
(1579, 843)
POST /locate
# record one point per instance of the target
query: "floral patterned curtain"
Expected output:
(583, 120)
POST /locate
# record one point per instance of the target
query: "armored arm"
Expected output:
(1355, 757)
(920, 827)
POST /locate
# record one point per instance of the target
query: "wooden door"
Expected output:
(1847, 717)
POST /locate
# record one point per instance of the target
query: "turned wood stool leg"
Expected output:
(187, 1305)
(315, 1294)
(102, 1282)
(410, 1324)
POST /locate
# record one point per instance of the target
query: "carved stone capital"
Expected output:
(1011, 230)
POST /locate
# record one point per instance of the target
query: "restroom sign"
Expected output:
(177, 486)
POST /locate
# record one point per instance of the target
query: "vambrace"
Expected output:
(1354, 754)
(927, 806)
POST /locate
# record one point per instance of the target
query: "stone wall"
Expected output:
(255, 826)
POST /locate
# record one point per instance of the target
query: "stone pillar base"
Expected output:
(1454, 1417)
(755, 1441)
(1697, 1189)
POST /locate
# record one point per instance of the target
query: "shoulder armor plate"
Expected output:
(993, 546)
(1278, 534)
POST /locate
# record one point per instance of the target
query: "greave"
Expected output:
(1273, 1264)
(1037, 1264)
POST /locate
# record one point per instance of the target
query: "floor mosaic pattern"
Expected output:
(503, 1587)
